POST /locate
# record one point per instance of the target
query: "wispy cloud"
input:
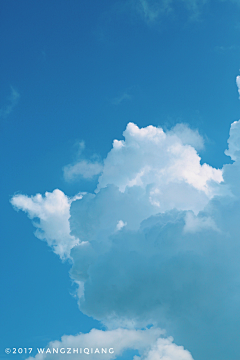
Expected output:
(119, 99)
(150, 11)
(153, 10)
(11, 103)
(223, 49)
(82, 168)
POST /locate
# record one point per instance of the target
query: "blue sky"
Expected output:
(73, 75)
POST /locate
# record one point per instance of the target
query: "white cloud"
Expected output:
(188, 136)
(164, 162)
(53, 212)
(147, 342)
(120, 225)
(170, 268)
(238, 84)
(195, 223)
(175, 262)
(83, 168)
(164, 349)
(234, 141)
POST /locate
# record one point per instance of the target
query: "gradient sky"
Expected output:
(73, 75)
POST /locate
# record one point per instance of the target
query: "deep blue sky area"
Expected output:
(81, 70)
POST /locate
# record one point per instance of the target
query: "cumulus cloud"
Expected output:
(164, 164)
(164, 349)
(175, 269)
(159, 242)
(148, 343)
(50, 215)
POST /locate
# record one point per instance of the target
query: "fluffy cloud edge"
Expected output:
(50, 215)
(149, 343)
